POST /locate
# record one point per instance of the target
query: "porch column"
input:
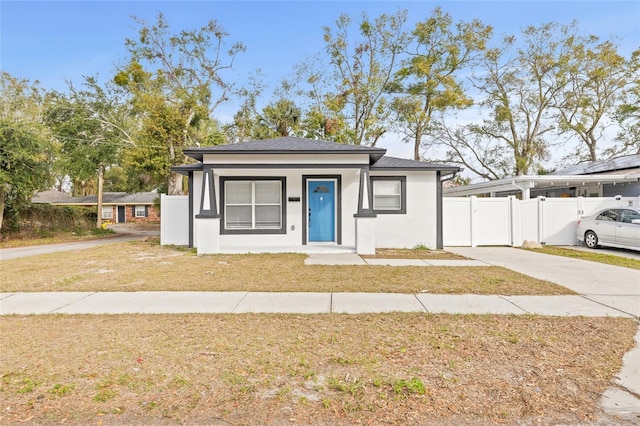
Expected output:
(365, 217)
(365, 195)
(208, 220)
(208, 206)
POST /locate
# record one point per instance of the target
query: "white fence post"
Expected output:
(513, 215)
(541, 205)
(472, 219)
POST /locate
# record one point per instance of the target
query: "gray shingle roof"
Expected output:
(292, 145)
(286, 145)
(602, 166)
(50, 196)
(393, 163)
(114, 198)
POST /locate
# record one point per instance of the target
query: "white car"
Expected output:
(613, 227)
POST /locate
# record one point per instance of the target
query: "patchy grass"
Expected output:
(308, 369)
(146, 266)
(414, 254)
(51, 237)
(592, 256)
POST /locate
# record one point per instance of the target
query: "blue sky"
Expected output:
(54, 41)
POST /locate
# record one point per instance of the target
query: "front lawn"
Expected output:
(147, 266)
(308, 369)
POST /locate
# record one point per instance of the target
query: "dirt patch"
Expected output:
(414, 254)
(153, 268)
(314, 369)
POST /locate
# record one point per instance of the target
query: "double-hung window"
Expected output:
(140, 211)
(389, 194)
(253, 205)
(107, 212)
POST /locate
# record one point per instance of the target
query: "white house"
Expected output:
(295, 194)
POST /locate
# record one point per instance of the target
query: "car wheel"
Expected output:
(591, 239)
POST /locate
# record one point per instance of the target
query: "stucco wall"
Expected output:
(418, 225)
(296, 220)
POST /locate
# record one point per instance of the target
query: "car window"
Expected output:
(608, 215)
(628, 215)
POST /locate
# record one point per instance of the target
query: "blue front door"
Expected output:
(321, 214)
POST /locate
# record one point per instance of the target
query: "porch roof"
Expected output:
(527, 182)
(393, 163)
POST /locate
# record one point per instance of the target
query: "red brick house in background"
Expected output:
(117, 207)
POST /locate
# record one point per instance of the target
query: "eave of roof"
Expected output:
(400, 164)
(184, 169)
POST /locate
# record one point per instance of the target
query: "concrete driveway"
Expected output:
(610, 285)
(124, 233)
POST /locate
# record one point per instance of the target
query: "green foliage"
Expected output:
(406, 387)
(627, 112)
(175, 85)
(430, 78)
(62, 390)
(422, 247)
(362, 70)
(43, 219)
(77, 120)
(597, 77)
(520, 81)
(26, 150)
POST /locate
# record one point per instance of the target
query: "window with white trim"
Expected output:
(253, 205)
(107, 212)
(141, 211)
(389, 194)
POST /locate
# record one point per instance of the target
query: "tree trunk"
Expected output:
(416, 148)
(100, 182)
(2, 195)
(175, 184)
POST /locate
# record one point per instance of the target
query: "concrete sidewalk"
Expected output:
(298, 303)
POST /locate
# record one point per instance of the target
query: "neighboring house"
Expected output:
(288, 193)
(603, 178)
(117, 207)
(628, 165)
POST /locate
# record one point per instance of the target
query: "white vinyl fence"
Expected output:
(174, 225)
(507, 221)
